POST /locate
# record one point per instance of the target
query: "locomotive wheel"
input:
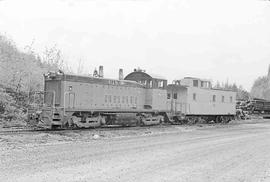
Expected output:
(75, 126)
(139, 121)
(66, 125)
(54, 127)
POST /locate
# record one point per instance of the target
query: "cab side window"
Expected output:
(195, 83)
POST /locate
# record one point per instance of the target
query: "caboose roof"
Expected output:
(194, 78)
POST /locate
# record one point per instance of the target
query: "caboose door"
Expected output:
(173, 104)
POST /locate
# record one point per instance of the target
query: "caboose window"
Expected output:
(231, 99)
(194, 96)
(110, 98)
(195, 83)
(168, 96)
(175, 95)
(131, 99)
(223, 98)
(127, 99)
(214, 98)
(135, 100)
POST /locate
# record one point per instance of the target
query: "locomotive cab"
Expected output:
(155, 88)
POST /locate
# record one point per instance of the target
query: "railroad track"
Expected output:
(104, 128)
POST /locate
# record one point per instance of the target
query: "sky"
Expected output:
(212, 39)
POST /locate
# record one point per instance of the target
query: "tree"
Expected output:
(21, 72)
(53, 59)
(241, 93)
(261, 87)
(8, 108)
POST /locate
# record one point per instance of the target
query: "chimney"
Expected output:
(101, 71)
(121, 74)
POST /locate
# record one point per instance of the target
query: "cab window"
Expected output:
(150, 84)
(195, 83)
(160, 84)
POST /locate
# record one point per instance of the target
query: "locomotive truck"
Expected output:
(138, 99)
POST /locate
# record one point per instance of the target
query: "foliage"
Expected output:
(52, 59)
(261, 87)
(9, 110)
(21, 73)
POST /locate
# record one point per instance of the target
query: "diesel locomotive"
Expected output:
(139, 98)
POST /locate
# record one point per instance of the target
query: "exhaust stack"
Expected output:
(101, 71)
(121, 74)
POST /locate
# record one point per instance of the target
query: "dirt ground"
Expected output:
(239, 151)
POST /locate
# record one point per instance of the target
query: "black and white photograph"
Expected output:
(134, 91)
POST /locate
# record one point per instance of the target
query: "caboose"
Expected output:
(197, 100)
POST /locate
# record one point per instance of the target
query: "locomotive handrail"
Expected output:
(176, 106)
(43, 101)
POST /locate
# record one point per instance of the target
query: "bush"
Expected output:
(9, 111)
